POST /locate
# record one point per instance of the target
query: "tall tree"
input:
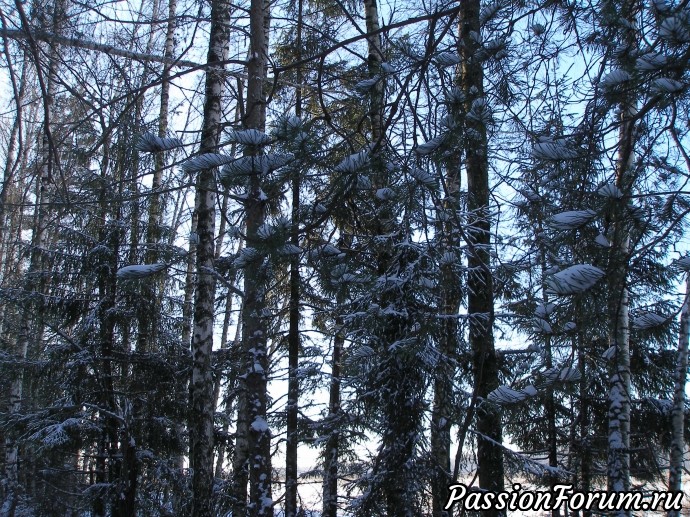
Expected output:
(677, 456)
(619, 302)
(31, 328)
(252, 462)
(292, 442)
(201, 427)
(480, 295)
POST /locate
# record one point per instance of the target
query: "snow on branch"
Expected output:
(55, 435)
(262, 164)
(574, 280)
(571, 220)
(429, 146)
(553, 150)
(542, 326)
(505, 395)
(602, 241)
(92, 45)
(674, 30)
(362, 352)
(425, 178)
(444, 59)
(523, 462)
(246, 257)
(354, 162)
(544, 309)
(205, 161)
(667, 85)
(480, 111)
(249, 137)
(648, 320)
(611, 191)
(614, 79)
(138, 271)
(367, 84)
(651, 62)
(150, 143)
(562, 374)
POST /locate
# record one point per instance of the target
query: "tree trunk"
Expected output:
(253, 449)
(330, 482)
(619, 382)
(480, 304)
(677, 459)
(30, 336)
(9, 221)
(374, 60)
(294, 304)
(148, 315)
(550, 402)
(449, 300)
(201, 388)
(618, 304)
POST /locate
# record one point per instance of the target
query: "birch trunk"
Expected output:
(618, 471)
(374, 60)
(148, 316)
(677, 459)
(16, 159)
(201, 387)
(619, 389)
(10, 227)
(15, 145)
(31, 331)
(26, 339)
(480, 297)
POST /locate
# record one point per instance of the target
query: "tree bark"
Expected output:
(148, 316)
(550, 402)
(253, 448)
(449, 299)
(374, 60)
(618, 471)
(330, 482)
(677, 457)
(294, 315)
(11, 267)
(31, 330)
(480, 298)
(201, 388)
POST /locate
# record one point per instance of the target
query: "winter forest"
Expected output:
(329, 257)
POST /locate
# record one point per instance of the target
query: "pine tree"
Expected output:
(480, 280)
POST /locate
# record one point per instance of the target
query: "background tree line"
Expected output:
(424, 242)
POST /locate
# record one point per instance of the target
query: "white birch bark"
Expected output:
(201, 388)
(619, 401)
(619, 333)
(618, 311)
(29, 336)
(677, 457)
